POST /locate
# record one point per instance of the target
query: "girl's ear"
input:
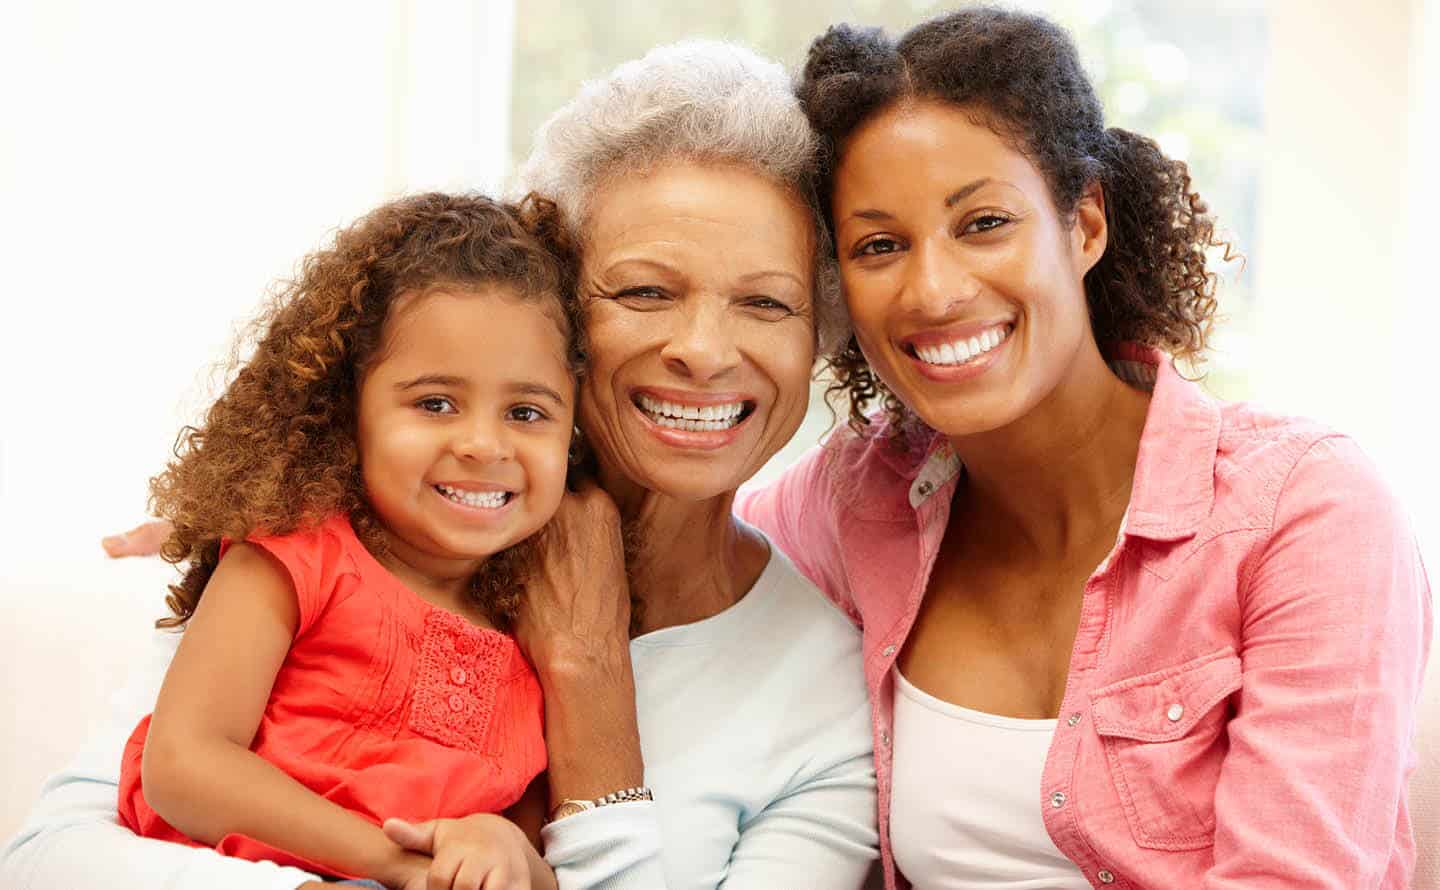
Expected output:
(582, 461)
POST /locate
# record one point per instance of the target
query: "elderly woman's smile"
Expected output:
(696, 284)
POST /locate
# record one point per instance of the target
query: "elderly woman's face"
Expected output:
(696, 282)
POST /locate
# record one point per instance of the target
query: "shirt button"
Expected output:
(926, 487)
(1175, 712)
(457, 703)
(457, 676)
(888, 650)
(884, 737)
(1057, 800)
(1072, 719)
(1105, 876)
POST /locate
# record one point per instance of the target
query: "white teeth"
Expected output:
(491, 500)
(962, 351)
(693, 418)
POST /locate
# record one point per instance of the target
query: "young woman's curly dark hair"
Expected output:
(1020, 74)
(277, 451)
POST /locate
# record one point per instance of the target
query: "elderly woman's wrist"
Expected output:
(591, 662)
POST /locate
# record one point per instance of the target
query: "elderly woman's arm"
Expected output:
(72, 838)
(807, 819)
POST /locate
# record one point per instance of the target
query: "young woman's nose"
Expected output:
(702, 343)
(938, 280)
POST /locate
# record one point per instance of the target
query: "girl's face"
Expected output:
(464, 423)
(697, 283)
(965, 286)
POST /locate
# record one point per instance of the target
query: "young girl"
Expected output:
(355, 511)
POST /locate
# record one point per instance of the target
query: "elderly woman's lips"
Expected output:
(692, 416)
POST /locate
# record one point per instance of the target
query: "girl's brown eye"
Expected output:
(526, 414)
(436, 405)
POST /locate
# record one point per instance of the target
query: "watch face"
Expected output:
(568, 808)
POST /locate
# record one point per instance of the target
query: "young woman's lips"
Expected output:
(958, 354)
(699, 421)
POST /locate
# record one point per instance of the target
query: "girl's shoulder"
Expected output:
(318, 560)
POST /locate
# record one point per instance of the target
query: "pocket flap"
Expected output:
(1164, 705)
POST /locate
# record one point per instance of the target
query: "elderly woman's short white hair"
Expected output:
(699, 100)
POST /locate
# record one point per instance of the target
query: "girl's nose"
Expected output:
(484, 440)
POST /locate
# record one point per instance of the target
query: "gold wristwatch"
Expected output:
(624, 795)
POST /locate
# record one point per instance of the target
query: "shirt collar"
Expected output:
(1174, 487)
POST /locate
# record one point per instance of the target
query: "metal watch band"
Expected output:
(624, 795)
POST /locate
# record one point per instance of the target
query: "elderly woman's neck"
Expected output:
(692, 560)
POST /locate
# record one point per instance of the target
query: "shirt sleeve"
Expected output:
(72, 838)
(795, 512)
(615, 847)
(821, 833)
(1336, 623)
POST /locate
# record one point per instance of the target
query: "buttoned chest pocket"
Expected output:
(1164, 736)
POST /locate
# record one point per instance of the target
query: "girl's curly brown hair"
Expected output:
(277, 451)
(1020, 74)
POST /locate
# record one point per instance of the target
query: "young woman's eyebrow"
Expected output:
(966, 191)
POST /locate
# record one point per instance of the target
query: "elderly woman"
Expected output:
(734, 689)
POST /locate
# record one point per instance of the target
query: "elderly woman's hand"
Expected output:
(576, 608)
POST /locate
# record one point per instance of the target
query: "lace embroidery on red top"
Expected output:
(460, 669)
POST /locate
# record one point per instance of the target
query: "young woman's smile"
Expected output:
(963, 282)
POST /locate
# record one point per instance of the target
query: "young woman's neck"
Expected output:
(694, 559)
(1060, 475)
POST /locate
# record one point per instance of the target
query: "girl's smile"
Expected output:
(464, 428)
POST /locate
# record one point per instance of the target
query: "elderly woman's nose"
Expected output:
(702, 344)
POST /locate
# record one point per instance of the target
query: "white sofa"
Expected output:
(62, 653)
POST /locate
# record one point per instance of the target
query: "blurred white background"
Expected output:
(161, 163)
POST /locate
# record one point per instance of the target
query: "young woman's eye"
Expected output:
(988, 222)
(877, 247)
(437, 405)
(527, 414)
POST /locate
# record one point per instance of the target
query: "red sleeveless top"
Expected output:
(386, 705)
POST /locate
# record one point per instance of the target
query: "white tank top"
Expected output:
(965, 811)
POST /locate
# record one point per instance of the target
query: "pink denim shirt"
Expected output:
(1240, 707)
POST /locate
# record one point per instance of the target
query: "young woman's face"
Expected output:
(464, 423)
(965, 286)
(697, 284)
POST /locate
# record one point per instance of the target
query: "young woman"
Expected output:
(1117, 633)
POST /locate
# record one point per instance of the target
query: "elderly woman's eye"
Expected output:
(769, 304)
(643, 292)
